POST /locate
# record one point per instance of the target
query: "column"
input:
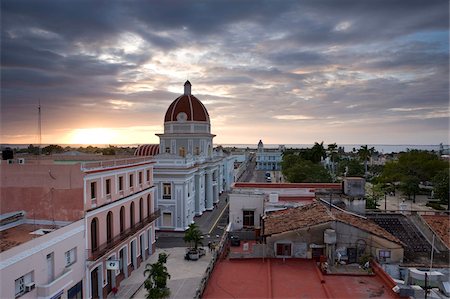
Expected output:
(216, 187)
(197, 194)
(209, 191)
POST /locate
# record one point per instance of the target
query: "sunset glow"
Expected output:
(93, 136)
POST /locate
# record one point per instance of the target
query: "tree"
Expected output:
(305, 171)
(52, 149)
(365, 154)
(317, 152)
(193, 235)
(441, 186)
(412, 168)
(350, 168)
(332, 153)
(156, 281)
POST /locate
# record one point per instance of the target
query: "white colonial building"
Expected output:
(269, 159)
(189, 174)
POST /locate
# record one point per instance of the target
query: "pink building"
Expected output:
(114, 199)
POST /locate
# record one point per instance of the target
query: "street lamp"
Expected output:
(385, 193)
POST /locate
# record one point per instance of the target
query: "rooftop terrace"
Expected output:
(290, 278)
(22, 233)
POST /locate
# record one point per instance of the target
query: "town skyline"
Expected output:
(290, 72)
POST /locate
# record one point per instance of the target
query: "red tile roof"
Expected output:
(316, 213)
(440, 225)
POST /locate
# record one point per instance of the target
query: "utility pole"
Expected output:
(39, 128)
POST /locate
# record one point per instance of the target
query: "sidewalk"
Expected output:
(185, 275)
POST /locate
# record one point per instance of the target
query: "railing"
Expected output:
(221, 252)
(114, 163)
(94, 254)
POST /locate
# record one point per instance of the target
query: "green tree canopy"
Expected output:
(193, 235)
(298, 170)
(441, 185)
(157, 275)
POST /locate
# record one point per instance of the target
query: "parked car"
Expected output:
(268, 179)
(235, 241)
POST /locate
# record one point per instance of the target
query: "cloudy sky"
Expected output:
(287, 72)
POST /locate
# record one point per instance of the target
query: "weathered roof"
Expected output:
(440, 224)
(314, 214)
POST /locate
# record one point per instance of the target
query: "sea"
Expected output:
(381, 148)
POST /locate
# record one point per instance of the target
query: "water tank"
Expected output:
(329, 236)
(273, 197)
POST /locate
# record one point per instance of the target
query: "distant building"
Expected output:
(269, 159)
(189, 174)
(89, 212)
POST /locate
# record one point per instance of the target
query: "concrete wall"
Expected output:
(32, 257)
(46, 191)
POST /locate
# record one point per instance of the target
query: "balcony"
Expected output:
(107, 246)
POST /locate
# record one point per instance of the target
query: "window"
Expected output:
(384, 254)
(109, 227)
(132, 214)
(140, 177)
(168, 150)
(148, 206)
(71, 256)
(182, 151)
(108, 187)
(148, 175)
(249, 218)
(131, 180)
(284, 249)
(122, 219)
(24, 284)
(167, 192)
(93, 190)
(120, 183)
(141, 209)
(94, 234)
(197, 150)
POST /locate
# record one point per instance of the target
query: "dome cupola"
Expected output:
(186, 108)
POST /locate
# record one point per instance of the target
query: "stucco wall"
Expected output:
(241, 202)
(43, 191)
(32, 256)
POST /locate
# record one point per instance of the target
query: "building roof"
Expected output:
(440, 224)
(289, 278)
(22, 233)
(336, 186)
(314, 214)
(188, 104)
(147, 150)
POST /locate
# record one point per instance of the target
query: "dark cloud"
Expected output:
(311, 62)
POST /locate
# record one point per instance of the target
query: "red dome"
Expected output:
(147, 150)
(193, 109)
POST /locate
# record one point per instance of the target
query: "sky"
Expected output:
(286, 72)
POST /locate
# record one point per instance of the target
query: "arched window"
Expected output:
(132, 214)
(141, 209)
(149, 208)
(109, 226)
(122, 219)
(94, 234)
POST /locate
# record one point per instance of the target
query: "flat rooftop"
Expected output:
(22, 233)
(291, 278)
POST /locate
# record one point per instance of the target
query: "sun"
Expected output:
(93, 136)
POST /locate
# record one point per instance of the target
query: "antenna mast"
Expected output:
(39, 128)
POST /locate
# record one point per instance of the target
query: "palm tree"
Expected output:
(193, 235)
(318, 152)
(157, 275)
(365, 154)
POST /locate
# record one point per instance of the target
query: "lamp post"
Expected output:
(385, 194)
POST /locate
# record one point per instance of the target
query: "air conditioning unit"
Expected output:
(21, 161)
(29, 287)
